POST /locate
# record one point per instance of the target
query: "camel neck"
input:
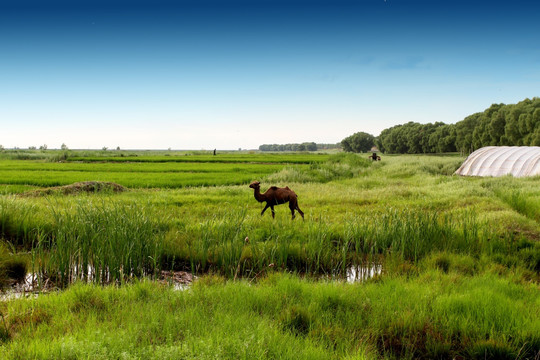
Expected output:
(258, 196)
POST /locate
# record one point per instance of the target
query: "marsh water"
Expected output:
(35, 284)
(359, 273)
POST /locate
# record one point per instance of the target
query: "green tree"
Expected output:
(443, 139)
(496, 128)
(500, 124)
(481, 136)
(310, 146)
(464, 133)
(358, 142)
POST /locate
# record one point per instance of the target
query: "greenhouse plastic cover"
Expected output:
(518, 161)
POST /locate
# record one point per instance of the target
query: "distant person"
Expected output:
(375, 157)
(214, 151)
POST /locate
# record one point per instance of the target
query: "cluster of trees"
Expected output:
(358, 142)
(499, 125)
(415, 138)
(306, 146)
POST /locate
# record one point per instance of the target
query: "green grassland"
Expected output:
(460, 259)
(142, 170)
(227, 157)
(133, 175)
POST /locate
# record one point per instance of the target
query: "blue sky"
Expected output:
(204, 74)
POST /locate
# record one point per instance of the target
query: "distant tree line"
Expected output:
(306, 146)
(500, 124)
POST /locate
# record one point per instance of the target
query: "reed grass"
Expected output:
(237, 244)
(13, 266)
(413, 234)
(19, 222)
(338, 166)
(101, 242)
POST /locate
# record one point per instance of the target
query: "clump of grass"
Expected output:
(296, 319)
(13, 267)
(235, 245)
(440, 165)
(520, 202)
(290, 174)
(338, 166)
(530, 257)
(86, 298)
(80, 187)
(101, 242)
(414, 234)
(25, 155)
(450, 262)
(18, 223)
(492, 349)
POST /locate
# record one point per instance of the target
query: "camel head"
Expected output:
(255, 185)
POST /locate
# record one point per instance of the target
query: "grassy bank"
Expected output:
(433, 315)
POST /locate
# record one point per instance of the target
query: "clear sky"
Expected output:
(229, 74)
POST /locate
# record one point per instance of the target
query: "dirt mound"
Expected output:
(80, 187)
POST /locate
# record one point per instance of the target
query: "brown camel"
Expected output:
(276, 196)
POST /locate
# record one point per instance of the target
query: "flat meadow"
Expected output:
(449, 266)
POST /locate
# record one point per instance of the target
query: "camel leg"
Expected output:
(273, 212)
(292, 206)
(300, 211)
(266, 207)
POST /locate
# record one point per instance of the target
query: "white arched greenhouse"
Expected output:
(517, 161)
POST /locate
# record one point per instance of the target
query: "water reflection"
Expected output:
(35, 284)
(180, 280)
(28, 288)
(359, 273)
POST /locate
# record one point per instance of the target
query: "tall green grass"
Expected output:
(13, 266)
(521, 202)
(237, 244)
(19, 222)
(102, 242)
(413, 234)
(338, 166)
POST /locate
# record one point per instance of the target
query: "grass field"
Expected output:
(142, 170)
(460, 258)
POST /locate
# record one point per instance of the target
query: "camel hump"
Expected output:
(274, 188)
